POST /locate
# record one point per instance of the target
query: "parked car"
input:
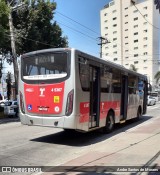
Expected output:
(11, 108)
(151, 101)
(2, 102)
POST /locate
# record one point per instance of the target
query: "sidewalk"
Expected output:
(135, 151)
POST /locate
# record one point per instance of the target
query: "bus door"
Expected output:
(94, 96)
(124, 98)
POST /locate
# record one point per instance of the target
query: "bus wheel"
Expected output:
(109, 123)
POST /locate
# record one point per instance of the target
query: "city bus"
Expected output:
(69, 89)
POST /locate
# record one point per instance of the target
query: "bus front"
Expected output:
(46, 88)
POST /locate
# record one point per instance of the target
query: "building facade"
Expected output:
(133, 32)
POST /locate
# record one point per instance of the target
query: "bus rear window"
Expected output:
(47, 66)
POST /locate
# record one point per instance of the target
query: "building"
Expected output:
(132, 29)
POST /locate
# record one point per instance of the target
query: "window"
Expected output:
(114, 32)
(135, 18)
(126, 8)
(136, 33)
(114, 11)
(145, 67)
(106, 34)
(106, 79)
(132, 86)
(145, 15)
(145, 46)
(107, 54)
(105, 14)
(145, 61)
(106, 47)
(126, 50)
(106, 21)
(114, 45)
(135, 55)
(145, 8)
(114, 25)
(135, 41)
(145, 53)
(115, 59)
(115, 52)
(126, 15)
(135, 26)
(106, 27)
(135, 11)
(145, 38)
(116, 81)
(145, 23)
(126, 37)
(135, 48)
(114, 39)
(126, 29)
(145, 31)
(84, 74)
(126, 43)
(126, 22)
(114, 18)
(135, 62)
(126, 57)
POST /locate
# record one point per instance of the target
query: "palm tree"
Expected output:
(132, 67)
(157, 76)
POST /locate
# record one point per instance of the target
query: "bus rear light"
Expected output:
(69, 105)
(22, 103)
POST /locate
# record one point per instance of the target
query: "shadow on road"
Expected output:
(74, 138)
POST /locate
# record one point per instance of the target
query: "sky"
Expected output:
(86, 13)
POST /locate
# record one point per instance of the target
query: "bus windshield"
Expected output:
(47, 66)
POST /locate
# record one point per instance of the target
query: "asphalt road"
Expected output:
(22, 145)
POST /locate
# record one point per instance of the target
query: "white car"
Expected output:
(11, 108)
(151, 101)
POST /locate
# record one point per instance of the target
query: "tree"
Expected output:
(35, 29)
(4, 28)
(157, 76)
(132, 67)
(157, 3)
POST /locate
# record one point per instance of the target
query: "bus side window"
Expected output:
(116, 82)
(105, 80)
(132, 84)
(84, 74)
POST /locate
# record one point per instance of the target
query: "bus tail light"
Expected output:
(69, 105)
(22, 103)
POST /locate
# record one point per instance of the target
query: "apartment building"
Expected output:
(132, 30)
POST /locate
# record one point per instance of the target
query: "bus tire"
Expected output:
(109, 123)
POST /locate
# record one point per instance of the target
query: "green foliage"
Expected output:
(157, 76)
(35, 29)
(133, 68)
(4, 28)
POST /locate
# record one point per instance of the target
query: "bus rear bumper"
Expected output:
(57, 122)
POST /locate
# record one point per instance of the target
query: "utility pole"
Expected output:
(102, 42)
(14, 55)
(13, 46)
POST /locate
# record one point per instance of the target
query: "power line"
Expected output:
(144, 17)
(78, 23)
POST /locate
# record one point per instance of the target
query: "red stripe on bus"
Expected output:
(104, 108)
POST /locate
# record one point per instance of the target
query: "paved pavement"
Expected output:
(9, 120)
(135, 151)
